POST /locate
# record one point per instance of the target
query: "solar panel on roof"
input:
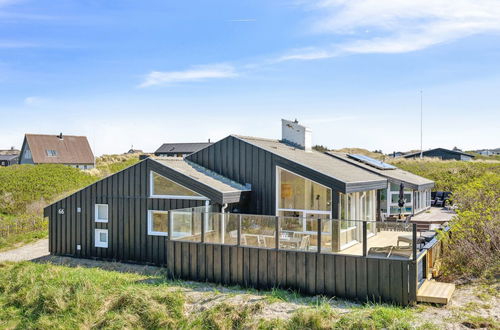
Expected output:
(372, 162)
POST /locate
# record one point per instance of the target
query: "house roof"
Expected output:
(8, 157)
(227, 190)
(396, 175)
(436, 149)
(182, 148)
(69, 150)
(318, 161)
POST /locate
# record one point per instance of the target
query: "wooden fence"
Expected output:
(353, 277)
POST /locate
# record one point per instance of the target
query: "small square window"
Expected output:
(101, 238)
(101, 213)
(51, 153)
(158, 223)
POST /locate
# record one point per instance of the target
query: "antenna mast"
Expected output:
(421, 123)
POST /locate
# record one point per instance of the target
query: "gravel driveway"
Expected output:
(27, 252)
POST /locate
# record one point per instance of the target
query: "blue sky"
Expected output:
(145, 72)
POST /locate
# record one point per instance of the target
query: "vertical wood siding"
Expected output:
(126, 194)
(354, 277)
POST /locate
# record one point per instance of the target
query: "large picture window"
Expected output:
(304, 199)
(161, 187)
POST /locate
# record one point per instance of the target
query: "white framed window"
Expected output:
(157, 223)
(51, 152)
(101, 213)
(161, 187)
(101, 238)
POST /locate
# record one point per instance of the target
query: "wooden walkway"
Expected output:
(435, 292)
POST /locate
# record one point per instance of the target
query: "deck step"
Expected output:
(435, 292)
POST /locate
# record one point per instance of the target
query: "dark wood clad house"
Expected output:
(9, 157)
(442, 153)
(221, 214)
(57, 149)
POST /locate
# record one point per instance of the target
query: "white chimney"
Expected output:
(295, 134)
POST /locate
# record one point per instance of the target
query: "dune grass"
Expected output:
(40, 296)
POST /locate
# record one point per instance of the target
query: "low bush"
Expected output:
(473, 245)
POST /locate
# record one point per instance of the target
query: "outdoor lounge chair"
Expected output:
(392, 252)
(304, 243)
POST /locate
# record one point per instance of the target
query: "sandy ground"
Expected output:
(476, 300)
(27, 252)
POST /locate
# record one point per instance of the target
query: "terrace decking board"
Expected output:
(435, 292)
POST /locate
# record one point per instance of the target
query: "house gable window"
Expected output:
(304, 199)
(51, 153)
(158, 223)
(101, 213)
(161, 187)
(101, 238)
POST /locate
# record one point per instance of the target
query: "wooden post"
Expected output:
(277, 229)
(414, 242)
(319, 235)
(365, 239)
(203, 227)
(238, 231)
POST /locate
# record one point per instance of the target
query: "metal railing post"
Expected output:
(238, 231)
(192, 221)
(277, 229)
(170, 225)
(203, 227)
(319, 234)
(414, 240)
(365, 239)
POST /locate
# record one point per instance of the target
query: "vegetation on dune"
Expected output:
(26, 189)
(23, 185)
(47, 296)
(109, 164)
(449, 175)
(473, 246)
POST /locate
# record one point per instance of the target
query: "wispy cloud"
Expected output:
(197, 73)
(388, 26)
(34, 101)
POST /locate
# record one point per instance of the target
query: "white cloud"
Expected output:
(34, 101)
(390, 26)
(197, 73)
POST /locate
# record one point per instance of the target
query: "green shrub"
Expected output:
(473, 245)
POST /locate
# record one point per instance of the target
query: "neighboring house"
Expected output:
(488, 152)
(397, 154)
(441, 153)
(417, 190)
(134, 151)
(7, 160)
(249, 211)
(9, 157)
(180, 149)
(68, 150)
